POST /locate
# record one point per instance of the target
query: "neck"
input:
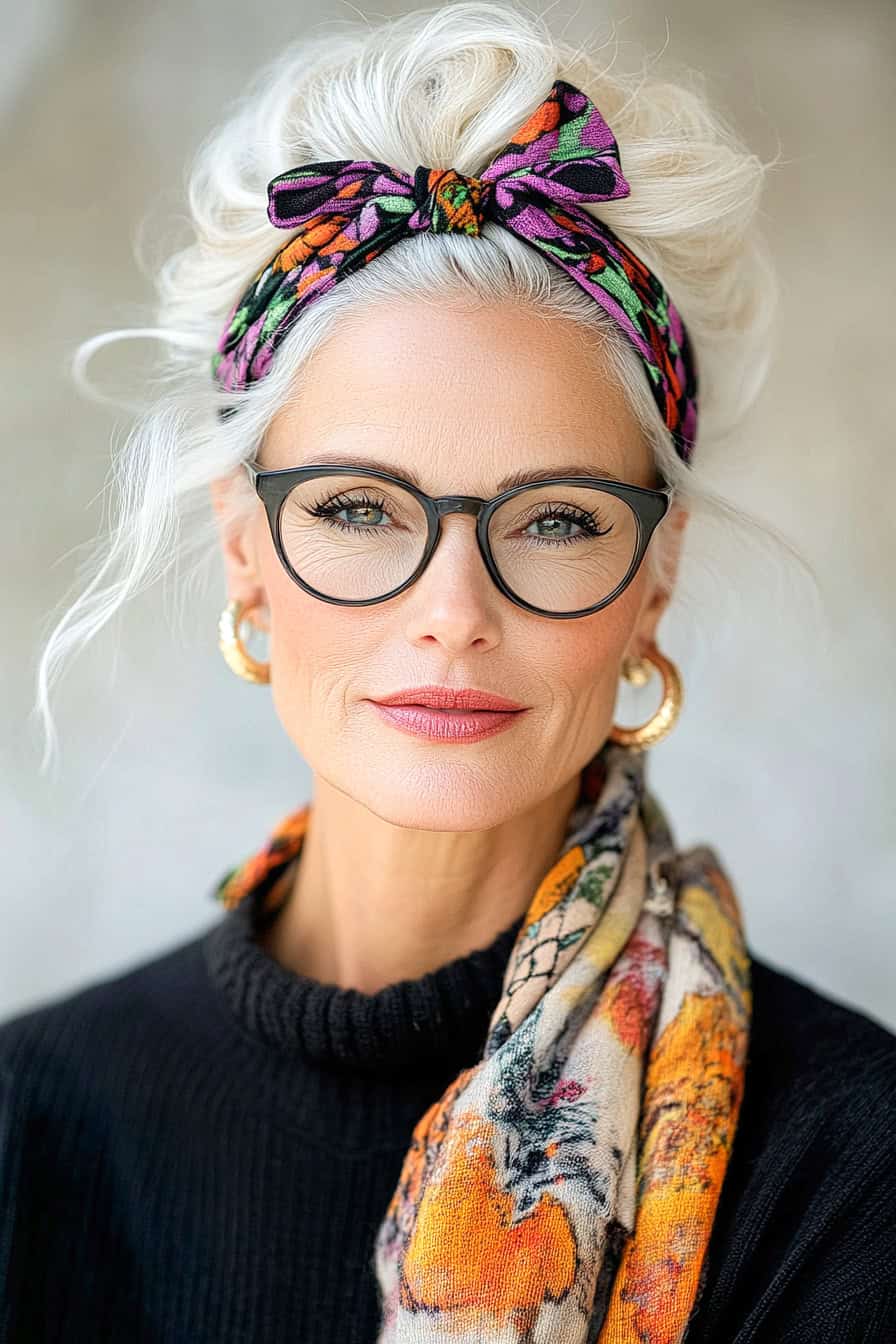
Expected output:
(369, 903)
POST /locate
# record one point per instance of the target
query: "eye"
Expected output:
(566, 515)
(330, 509)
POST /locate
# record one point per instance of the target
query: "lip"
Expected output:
(449, 697)
(446, 725)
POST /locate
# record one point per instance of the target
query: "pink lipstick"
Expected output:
(446, 714)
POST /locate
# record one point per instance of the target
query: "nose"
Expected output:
(453, 601)
(456, 581)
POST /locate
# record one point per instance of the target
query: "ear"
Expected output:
(658, 594)
(239, 544)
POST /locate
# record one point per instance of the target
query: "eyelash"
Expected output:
(328, 508)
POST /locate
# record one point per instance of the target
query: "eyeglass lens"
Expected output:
(559, 547)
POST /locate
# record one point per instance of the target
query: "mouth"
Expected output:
(449, 698)
(447, 725)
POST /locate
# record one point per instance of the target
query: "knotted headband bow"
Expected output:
(348, 211)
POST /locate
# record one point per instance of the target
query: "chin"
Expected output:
(442, 796)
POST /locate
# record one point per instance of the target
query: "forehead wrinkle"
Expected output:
(519, 476)
(570, 449)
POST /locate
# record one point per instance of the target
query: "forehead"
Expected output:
(460, 391)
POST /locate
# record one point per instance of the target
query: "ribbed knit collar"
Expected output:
(438, 1022)
(435, 1024)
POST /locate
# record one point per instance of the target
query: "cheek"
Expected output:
(313, 649)
(293, 626)
(588, 652)
(294, 612)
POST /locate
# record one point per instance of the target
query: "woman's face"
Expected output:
(462, 397)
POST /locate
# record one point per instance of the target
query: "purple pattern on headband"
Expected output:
(348, 211)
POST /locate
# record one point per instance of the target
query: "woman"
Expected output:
(476, 1051)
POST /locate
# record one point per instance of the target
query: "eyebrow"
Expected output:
(523, 477)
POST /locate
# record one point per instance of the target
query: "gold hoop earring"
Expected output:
(637, 671)
(236, 656)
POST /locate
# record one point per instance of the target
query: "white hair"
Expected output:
(446, 86)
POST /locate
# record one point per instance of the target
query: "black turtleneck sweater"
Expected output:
(200, 1150)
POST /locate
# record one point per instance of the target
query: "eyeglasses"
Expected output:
(357, 537)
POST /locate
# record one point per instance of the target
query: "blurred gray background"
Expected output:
(173, 769)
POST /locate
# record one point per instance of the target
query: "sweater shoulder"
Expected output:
(803, 1238)
(810, 1003)
(820, 1086)
(58, 1039)
(812, 1054)
(799, 1032)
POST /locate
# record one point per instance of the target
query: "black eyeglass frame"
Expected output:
(649, 506)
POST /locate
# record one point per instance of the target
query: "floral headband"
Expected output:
(348, 211)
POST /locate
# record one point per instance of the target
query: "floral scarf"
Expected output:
(564, 1187)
